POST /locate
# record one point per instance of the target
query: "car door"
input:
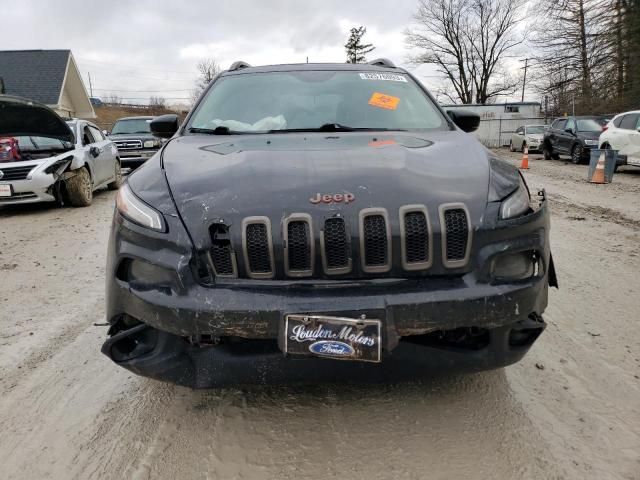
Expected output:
(567, 136)
(557, 128)
(517, 138)
(105, 162)
(633, 140)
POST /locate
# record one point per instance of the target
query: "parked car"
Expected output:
(323, 222)
(529, 136)
(45, 159)
(134, 140)
(622, 133)
(573, 136)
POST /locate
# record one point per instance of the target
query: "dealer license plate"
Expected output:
(333, 337)
(5, 190)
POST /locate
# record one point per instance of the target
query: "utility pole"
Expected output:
(90, 86)
(524, 80)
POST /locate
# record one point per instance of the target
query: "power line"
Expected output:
(142, 91)
(118, 64)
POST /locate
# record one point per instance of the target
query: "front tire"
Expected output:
(547, 152)
(80, 188)
(511, 149)
(524, 144)
(576, 154)
(117, 182)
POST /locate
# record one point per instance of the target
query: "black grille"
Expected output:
(15, 173)
(258, 252)
(457, 233)
(416, 237)
(336, 244)
(299, 246)
(375, 240)
(221, 251)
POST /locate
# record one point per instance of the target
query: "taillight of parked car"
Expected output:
(605, 128)
(9, 151)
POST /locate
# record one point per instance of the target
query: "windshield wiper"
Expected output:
(333, 127)
(221, 130)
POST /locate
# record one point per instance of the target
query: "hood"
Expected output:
(132, 136)
(589, 135)
(226, 179)
(22, 117)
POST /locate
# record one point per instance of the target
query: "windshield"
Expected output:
(589, 125)
(535, 129)
(27, 143)
(136, 125)
(307, 100)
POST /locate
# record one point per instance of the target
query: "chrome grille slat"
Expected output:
(375, 240)
(335, 246)
(15, 173)
(456, 234)
(128, 144)
(416, 237)
(299, 245)
(257, 246)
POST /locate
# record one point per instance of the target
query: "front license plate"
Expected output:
(5, 190)
(333, 337)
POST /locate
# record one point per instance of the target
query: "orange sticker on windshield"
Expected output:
(381, 100)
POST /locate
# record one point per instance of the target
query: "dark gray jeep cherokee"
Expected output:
(323, 223)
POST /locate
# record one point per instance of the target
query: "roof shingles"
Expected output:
(34, 74)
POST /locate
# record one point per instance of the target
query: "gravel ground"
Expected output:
(570, 409)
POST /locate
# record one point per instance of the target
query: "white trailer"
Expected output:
(498, 121)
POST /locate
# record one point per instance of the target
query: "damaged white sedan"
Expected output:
(45, 159)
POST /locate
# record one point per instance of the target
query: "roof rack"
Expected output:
(238, 65)
(382, 62)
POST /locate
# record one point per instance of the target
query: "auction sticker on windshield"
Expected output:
(380, 100)
(333, 337)
(390, 77)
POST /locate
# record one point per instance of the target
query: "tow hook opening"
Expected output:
(465, 338)
(130, 339)
(527, 331)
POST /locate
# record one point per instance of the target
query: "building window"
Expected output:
(511, 108)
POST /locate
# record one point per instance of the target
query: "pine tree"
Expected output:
(356, 51)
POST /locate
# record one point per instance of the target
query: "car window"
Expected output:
(617, 120)
(132, 126)
(535, 129)
(309, 99)
(520, 131)
(559, 124)
(589, 125)
(571, 124)
(96, 134)
(629, 121)
(30, 143)
(87, 138)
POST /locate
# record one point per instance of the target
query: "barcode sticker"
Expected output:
(390, 77)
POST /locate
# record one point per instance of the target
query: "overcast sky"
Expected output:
(140, 48)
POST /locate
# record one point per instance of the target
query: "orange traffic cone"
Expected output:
(524, 165)
(598, 173)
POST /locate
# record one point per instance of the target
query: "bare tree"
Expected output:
(208, 70)
(113, 99)
(356, 49)
(468, 41)
(157, 102)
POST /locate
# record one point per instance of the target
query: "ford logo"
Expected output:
(331, 349)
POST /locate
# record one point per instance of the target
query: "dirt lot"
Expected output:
(570, 409)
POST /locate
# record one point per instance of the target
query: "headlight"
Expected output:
(517, 203)
(151, 143)
(137, 211)
(591, 142)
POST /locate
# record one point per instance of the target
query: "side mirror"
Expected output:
(569, 130)
(165, 126)
(466, 121)
(106, 133)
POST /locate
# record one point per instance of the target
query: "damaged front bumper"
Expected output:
(34, 180)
